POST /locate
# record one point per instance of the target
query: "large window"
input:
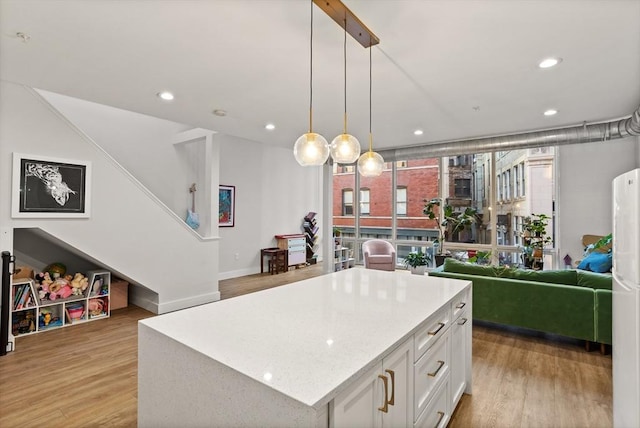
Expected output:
(347, 202)
(365, 206)
(391, 205)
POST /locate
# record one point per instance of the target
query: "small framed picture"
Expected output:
(227, 202)
(50, 187)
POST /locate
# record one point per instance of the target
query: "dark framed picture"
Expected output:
(50, 187)
(227, 206)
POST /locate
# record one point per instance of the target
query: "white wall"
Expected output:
(129, 231)
(142, 144)
(273, 194)
(585, 173)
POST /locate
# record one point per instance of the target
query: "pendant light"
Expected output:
(345, 148)
(311, 149)
(370, 163)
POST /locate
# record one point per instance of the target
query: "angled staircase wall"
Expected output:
(130, 231)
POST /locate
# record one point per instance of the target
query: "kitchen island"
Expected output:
(353, 348)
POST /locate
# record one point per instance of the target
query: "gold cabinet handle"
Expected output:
(392, 374)
(385, 406)
(462, 321)
(433, 333)
(441, 364)
(441, 414)
(461, 305)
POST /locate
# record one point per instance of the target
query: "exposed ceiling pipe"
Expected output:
(587, 133)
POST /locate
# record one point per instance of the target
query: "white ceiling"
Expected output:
(456, 68)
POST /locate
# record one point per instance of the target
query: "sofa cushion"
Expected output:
(380, 258)
(455, 266)
(594, 280)
(566, 277)
(597, 262)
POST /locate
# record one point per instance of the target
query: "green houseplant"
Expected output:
(450, 222)
(534, 240)
(416, 262)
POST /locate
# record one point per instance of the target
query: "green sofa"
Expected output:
(572, 303)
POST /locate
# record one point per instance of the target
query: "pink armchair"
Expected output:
(379, 254)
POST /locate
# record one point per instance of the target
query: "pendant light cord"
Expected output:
(345, 75)
(311, 72)
(370, 85)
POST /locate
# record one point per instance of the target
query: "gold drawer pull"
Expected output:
(441, 364)
(441, 414)
(464, 321)
(385, 406)
(433, 333)
(461, 305)
(392, 374)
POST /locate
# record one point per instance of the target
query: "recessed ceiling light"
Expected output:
(550, 112)
(418, 132)
(549, 62)
(270, 126)
(165, 95)
(220, 112)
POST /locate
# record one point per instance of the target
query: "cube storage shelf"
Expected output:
(30, 314)
(342, 257)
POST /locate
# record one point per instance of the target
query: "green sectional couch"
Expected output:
(572, 303)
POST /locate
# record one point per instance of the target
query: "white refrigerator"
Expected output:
(626, 300)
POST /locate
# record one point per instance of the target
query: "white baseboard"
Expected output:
(174, 305)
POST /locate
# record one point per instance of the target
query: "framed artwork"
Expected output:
(227, 206)
(50, 187)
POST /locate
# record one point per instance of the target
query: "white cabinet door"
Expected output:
(398, 367)
(459, 330)
(382, 397)
(358, 405)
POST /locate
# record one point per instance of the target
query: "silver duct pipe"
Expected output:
(556, 137)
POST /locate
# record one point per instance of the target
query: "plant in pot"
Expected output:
(534, 240)
(450, 222)
(416, 262)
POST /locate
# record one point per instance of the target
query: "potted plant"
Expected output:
(534, 239)
(453, 222)
(416, 262)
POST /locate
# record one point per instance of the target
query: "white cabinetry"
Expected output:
(460, 348)
(381, 397)
(296, 246)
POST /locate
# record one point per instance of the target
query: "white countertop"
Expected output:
(307, 338)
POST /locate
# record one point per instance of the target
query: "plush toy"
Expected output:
(60, 288)
(96, 306)
(79, 283)
(44, 282)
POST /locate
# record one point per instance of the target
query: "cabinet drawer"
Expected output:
(460, 304)
(437, 413)
(434, 328)
(429, 372)
(296, 242)
(297, 257)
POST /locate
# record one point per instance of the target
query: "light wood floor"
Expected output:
(86, 375)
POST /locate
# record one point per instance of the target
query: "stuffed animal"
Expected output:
(44, 282)
(96, 306)
(79, 283)
(60, 288)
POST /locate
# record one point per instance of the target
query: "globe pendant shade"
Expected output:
(311, 149)
(345, 148)
(370, 164)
